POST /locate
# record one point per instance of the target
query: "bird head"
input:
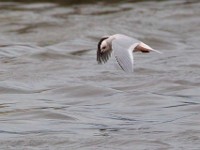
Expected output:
(103, 45)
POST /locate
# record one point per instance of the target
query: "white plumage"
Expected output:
(123, 47)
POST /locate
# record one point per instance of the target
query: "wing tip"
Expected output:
(125, 68)
(157, 51)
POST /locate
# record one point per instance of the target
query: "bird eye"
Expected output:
(104, 47)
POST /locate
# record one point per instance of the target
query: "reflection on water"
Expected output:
(54, 95)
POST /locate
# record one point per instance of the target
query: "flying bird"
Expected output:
(123, 47)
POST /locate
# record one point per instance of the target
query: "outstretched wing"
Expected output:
(123, 50)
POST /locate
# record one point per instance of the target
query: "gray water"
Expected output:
(54, 95)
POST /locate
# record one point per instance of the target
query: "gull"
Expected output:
(123, 47)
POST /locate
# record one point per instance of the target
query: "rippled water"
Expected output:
(53, 94)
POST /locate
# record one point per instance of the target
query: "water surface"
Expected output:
(54, 95)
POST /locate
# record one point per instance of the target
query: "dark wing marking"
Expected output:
(102, 57)
(119, 63)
